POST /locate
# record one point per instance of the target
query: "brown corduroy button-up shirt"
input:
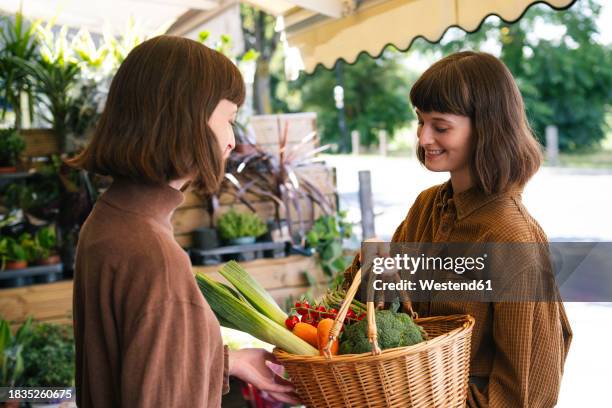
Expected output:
(145, 336)
(518, 349)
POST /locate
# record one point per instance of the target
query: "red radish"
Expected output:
(350, 314)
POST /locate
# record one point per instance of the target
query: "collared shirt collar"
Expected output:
(157, 201)
(469, 200)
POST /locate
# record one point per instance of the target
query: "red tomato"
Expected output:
(291, 321)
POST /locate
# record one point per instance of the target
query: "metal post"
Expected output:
(552, 145)
(355, 142)
(367, 205)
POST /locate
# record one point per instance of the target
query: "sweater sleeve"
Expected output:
(169, 358)
(531, 342)
(531, 339)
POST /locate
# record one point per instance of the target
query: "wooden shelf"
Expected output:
(52, 302)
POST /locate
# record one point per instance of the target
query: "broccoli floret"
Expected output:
(394, 330)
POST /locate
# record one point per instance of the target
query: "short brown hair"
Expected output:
(154, 127)
(505, 152)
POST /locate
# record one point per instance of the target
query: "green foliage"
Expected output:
(120, 46)
(49, 357)
(325, 238)
(46, 238)
(225, 46)
(11, 146)
(393, 329)
(29, 246)
(18, 41)
(39, 195)
(11, 352)
(3, 252)
(40, 246)
(13, 251)
(565, 81)
(375, 97)
(234, 225)
(54, 73)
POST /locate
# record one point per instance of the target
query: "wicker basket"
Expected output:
(433, 373)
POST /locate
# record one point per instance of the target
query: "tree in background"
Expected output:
(259, 35)
(375, 97)
(565, 81)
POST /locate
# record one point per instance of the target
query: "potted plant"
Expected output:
(45, 247)
(205, 238)
(278, 178)
(15, 256)
(12, 256)
(39, 195)
(19, 42)
(53, 73)
(240, 228)
(11, 353)
(11, 146)
(48, 359)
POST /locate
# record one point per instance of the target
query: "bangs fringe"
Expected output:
(442, 89)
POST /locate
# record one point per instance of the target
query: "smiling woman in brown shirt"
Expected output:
(145, 336)
(472, 124)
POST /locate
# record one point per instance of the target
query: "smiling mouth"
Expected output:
(434, 152)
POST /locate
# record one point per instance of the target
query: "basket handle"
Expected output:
(339, 320)
(371, 316)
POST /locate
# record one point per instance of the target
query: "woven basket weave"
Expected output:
(433, 373)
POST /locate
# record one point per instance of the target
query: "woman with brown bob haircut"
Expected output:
(472, 124)
(145, 336)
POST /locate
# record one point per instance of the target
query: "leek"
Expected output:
(237, 313)
(253, 291)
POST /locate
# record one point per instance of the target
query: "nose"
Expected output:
(425, 136)
(232, 141)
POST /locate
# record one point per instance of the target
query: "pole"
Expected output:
(552, 145)
(344, 143)
(367, 205)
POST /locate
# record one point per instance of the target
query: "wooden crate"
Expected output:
(39, 142)
(268, 129)
(186, 219)
(52, 302)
